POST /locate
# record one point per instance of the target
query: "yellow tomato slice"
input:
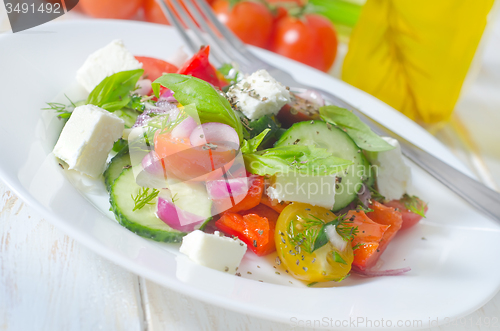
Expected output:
(296, 230)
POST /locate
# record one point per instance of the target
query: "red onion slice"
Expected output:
(176, 217)
(378, 273)
(151, 163)
(222, 189)
(313, 96)
(184, 129)
(215, 133)
(144, 87)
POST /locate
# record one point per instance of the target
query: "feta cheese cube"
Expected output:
(87, 138)
(214, 250)
(104, 62)
(259, 94)
(314, 190)
(393, 174)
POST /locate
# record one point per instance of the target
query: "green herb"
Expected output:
(211, 105)
(136, 103)
(307, 160)
(251, 145)
(229, 73)
(343, 228)
(414, 204)
(113, 92)
(312, 284)
(362, 135)
(64, 111)
(338, 258)
(265, 122)
(358, 245)
(376, 195)
(144, 197)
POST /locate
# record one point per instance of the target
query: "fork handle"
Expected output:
(477, 194)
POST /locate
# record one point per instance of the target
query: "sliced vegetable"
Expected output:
(143, 221)
(412, 210)
(386, 216)
(118, 163)
(367, 240)
(273, 204)
(361, 133)
(338, 144)
(297, 228)
(216, 134)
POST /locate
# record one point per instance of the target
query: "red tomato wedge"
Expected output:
(369, 236)
(409, 218)
(154, 68)
(386, 216)
(199, 66)
(256, 231)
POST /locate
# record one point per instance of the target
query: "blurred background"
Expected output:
(437, 62)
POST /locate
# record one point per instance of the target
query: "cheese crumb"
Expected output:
(87, 138)
(393, 174)
(258, 95)
(214, 250)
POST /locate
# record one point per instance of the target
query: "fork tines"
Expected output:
(206, 29)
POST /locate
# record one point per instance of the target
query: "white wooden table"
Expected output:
(50, 282)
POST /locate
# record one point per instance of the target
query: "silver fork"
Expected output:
(227, 48)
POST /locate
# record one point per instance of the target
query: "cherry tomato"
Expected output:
(153, 12)
(311, 40)
(154, 68)
(251, 21)
(300, 220)
(110, 8)
(409, 218)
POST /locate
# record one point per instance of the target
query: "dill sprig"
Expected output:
(63, 110)
(414, 204)
(306, 238)
(345, 229)
(144, 197)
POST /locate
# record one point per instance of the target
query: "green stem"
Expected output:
(341, 12)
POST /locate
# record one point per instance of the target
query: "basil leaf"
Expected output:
(211, 105)
(306, 160)
(361, 133)
(322, 239)
(337, 258)
(113, 92)
(251, 145)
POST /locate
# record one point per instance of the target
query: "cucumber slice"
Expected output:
(336, 141)
(119, 162)
(144, 221)
(191, 197)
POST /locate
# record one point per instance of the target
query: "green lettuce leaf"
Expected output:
(211, 105)
(113, 92)
(362, 135)
(251, 145)
(307, 160)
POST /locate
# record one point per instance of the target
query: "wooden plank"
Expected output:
(50, 282)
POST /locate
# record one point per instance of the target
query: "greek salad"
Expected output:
(231, 163)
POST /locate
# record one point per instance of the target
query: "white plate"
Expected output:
(451, 253)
